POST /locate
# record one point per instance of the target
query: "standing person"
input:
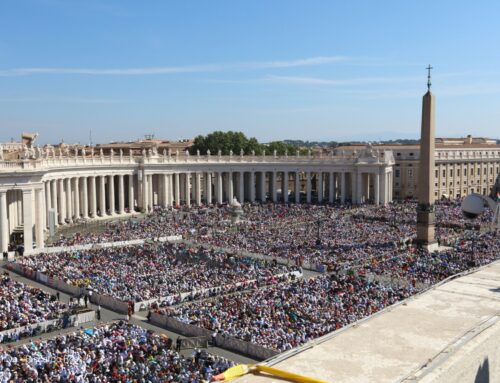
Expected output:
(98, 313)
(178, 343)
(86, 300)
(58, 295)
(214, 339)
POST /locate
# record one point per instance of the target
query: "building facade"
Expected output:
(462, 166)
(81, 184)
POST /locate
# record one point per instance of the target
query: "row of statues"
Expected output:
(48, 151)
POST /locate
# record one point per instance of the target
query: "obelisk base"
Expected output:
(426, 221)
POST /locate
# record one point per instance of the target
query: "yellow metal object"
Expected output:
(287, 375)
(243, 369)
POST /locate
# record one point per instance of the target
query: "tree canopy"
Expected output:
(236, 141)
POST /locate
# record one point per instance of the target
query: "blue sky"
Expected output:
(312, 70)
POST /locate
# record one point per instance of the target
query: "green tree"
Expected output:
(225, 142)
(237, 141)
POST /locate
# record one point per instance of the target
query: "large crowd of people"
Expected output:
(291, 231)
(153, 271)
(366, 250)
(22, 305)
(119, 352)
(287, 315)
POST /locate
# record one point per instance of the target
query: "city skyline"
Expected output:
(337, 72)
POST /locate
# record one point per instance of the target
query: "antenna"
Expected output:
(90, 137)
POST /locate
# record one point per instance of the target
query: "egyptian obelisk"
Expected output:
(426, 217)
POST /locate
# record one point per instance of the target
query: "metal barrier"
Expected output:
(194, 342)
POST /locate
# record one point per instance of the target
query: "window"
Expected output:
(465, 172)
(444, 173)
(437, 173)
(397, 172)
(451, 172)
(458, 172)
(410, 173)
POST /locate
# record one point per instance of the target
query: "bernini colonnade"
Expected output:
(83, 186)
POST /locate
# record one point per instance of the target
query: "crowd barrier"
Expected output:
(224, 288)
(227, 342)
(42, 327)
(244, 253)
(110, 302)
(58, 249)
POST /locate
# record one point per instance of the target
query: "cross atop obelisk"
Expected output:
(426, 190)
(429, 68)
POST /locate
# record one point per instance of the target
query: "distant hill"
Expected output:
(334, 144)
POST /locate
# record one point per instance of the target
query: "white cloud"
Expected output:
(146, 71)
(329, 82)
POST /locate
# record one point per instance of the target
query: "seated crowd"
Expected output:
(22, 305)
(141, 272)
(289, 231)
(118, 352)
(285, 316)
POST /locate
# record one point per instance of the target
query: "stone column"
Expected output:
(76, 212)
(121, 194)
(284, 187)
(165, 199)
(102, 196)
(390, 185)
(343, 185)
(28, 220)
(170, 189)
(263, 187)
(145, 193)
(39, 219)
(62, 203)
(69, 202)
(198, 188)
(273, 189)
(252, 186)
(359, 187)
(93, 197)
(320, 186)
(4, 222)
(187, 188)
(241, 187)
(383, 190)
(53, 186)
(297, 187)
(85, 198)
(308, 187)
(353, 187)
(151, 197)
(19, 207)
(111, 194)
(219, 187)
(376, 187)
(48, 202)
(131, 194)
(230, 187)
(331, 187)
(177, 190)
(208, 188)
